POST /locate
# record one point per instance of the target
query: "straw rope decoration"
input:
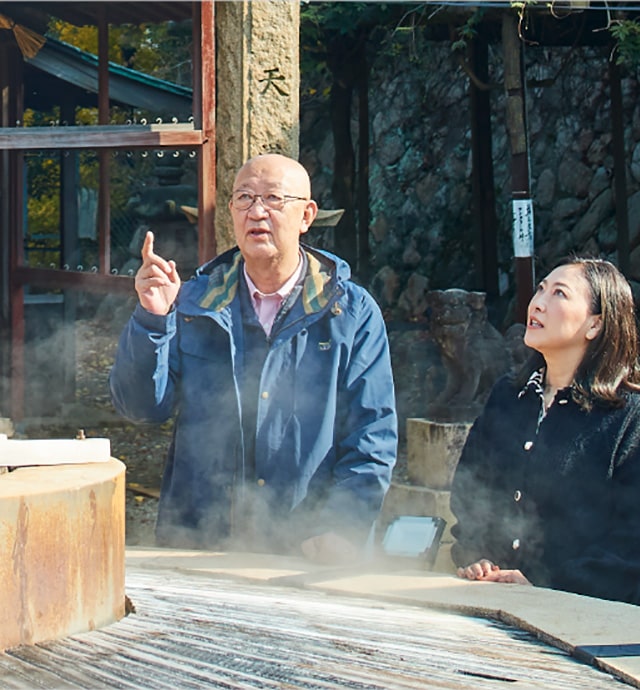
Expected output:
(28, 41)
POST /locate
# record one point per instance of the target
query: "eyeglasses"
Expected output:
(242, 201)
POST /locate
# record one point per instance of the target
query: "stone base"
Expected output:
(433, 451)
(61, 551)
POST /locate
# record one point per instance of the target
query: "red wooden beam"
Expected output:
(181, 135)
(61, 280)
(15, 110)
(16, 292)
(104, 178)
(204, 77)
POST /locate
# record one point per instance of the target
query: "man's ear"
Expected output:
(309, 215)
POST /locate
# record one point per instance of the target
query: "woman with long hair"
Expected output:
(547, 490)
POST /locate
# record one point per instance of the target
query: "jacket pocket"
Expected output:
(201, 338)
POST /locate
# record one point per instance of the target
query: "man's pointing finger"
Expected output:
(147, 246)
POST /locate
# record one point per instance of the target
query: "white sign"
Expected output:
(26, 452)
(522, 228)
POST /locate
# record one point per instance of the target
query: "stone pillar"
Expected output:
(258, 85)
(433, 451)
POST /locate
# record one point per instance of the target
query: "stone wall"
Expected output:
(420, 167)
(420, 182)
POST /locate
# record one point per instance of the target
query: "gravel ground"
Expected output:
(142, 448)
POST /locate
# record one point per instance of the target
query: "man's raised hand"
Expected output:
(157, 281)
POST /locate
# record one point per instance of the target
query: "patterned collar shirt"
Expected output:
(535, 384)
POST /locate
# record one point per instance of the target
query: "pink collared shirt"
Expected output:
(267, 306)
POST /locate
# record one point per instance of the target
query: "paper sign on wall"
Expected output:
(522, 227)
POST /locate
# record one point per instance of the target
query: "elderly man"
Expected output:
(277, 369)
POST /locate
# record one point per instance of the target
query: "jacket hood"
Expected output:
(325, 271)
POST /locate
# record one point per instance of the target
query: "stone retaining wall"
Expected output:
(420, 167)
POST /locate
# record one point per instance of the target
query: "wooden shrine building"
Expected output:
(174, 125)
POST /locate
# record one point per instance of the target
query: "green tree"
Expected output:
(626, 34)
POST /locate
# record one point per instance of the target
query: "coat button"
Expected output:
(264, 395)
(564, 401)
(517, 495)
(261, 482)
(515, 544)
(528, 445)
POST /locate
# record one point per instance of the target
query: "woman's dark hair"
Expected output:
(610, 363)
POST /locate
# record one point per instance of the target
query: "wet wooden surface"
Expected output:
(194, 630)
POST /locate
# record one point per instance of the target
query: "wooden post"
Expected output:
(522, 206)
(104, 196)
(69, 251)
(619, 167)
(68, 191)
(6, 237)
(13, 111)
(364, 254)
(484, 202)
(204, 109)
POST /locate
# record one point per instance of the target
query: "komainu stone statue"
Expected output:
(473, 353)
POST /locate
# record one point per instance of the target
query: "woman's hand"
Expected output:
(487, 571)
(478, 570)
(512, 576)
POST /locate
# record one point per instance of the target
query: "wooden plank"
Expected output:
(92, 282)
(179, 135)
(196, 631)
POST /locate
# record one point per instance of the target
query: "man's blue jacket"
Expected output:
(326, 428)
